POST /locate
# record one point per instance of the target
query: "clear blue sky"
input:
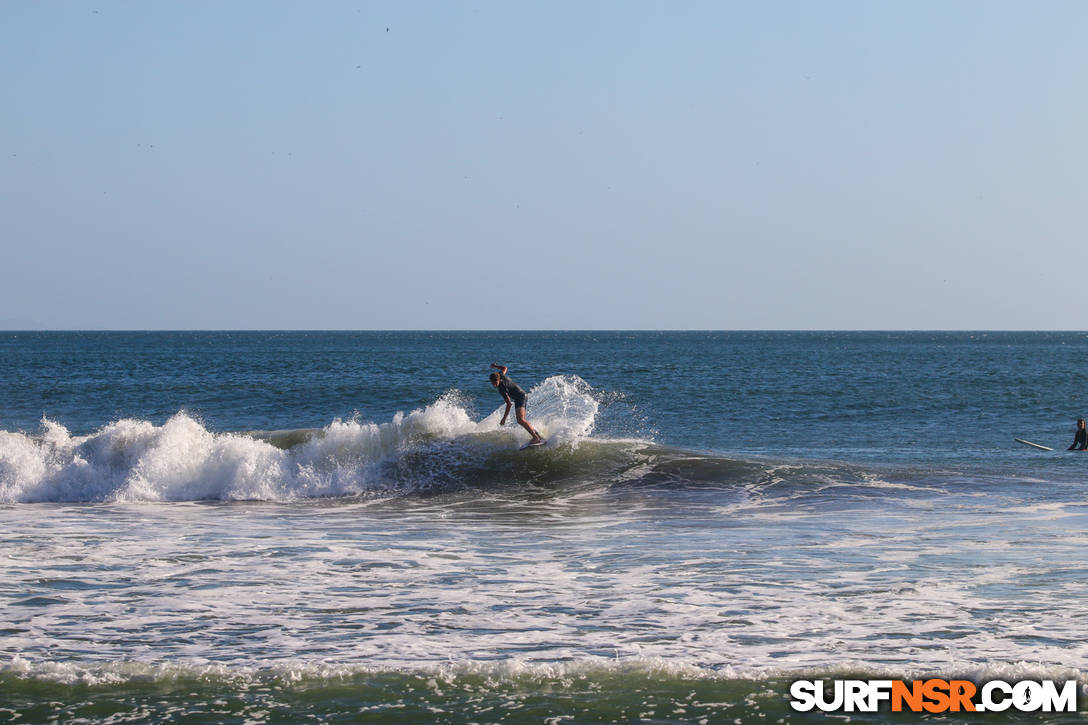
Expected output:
(551, 165)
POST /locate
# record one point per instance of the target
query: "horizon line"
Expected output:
(522, 331)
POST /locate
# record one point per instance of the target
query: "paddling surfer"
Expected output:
(1080, 442)
(512, 393)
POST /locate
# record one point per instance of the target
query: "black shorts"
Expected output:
(519, 401)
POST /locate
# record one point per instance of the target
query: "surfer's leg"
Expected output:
(520, 412)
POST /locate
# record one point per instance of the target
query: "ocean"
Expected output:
(332, 527)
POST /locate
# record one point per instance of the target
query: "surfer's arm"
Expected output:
(507, 411)
(502, 371)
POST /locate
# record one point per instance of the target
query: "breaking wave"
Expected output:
(436, 447)
(639, 690)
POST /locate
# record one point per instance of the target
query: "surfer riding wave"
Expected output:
(512, 393)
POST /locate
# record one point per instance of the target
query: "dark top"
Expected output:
(508, 388)
(1081, 441)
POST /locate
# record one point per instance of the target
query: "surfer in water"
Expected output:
(512, 393)
(1081, 441)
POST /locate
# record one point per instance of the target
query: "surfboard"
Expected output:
(1033, 445)
(533, 445)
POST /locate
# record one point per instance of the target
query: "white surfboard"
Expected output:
(530, 444)
(1033, 445)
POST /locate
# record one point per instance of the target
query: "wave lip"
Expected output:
(181, 460)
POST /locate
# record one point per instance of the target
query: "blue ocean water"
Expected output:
(333, 527)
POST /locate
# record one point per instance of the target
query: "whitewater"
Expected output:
(131, 461)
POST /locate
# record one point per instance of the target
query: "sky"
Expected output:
(543, 165)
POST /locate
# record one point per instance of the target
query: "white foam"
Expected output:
(181, 460)
(424, 581)
(508, 670)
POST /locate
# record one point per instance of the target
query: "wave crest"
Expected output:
(181, 460)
